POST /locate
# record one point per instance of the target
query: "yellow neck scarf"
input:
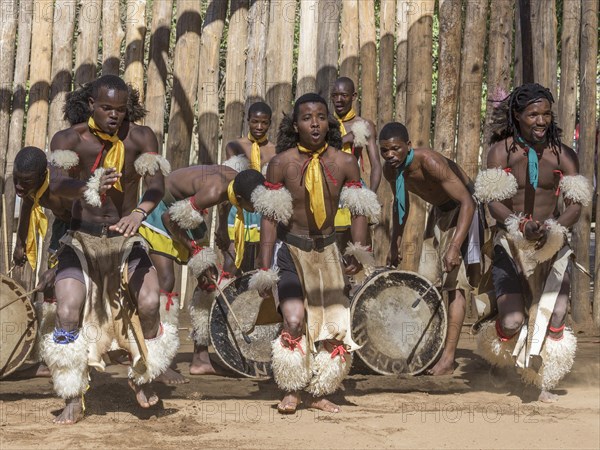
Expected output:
(314, 184)
(255, 152)
(38, 224)
(239, 227)
(116, 155)
(347, 147)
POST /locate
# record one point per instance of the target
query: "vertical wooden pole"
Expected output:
(368, 56)
(235, 71)
(543, 28)
(449, 60)
(349, 47)
(185, 83)
(307, 58)
(327, 46)
(524, 39)
(280, 53)
(402, 21)
(88, 34)
(9, 13)
(499, 61)
(418, 115)
(135, 32)
(588, 133)
(471, 77)
(112, 36)
(159, 67)
(208, 82)
(258, 28)
(567, 100)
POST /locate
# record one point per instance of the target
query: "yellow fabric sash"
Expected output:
(38, 223)
(347, 147)
(255, 152)
(116, 154)
(314, 184)
(239, 227)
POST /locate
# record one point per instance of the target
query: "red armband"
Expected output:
(273, 186)
(353, 184)
(195, 208)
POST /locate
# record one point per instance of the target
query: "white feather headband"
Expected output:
(149, 163)
(495, 185)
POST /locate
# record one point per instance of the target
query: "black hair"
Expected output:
(77, 108)
(504, 124)
(31, 160)
(259, 107)
(246, 181)
(287, 136)
(346, 82)
(392, 130)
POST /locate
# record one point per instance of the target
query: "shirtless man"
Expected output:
(527, 169)
(444, 185)
(174, 236)
(300, 259)
(259, 151)
(100, 161)
(31, 177)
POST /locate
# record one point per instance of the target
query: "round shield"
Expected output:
(400, 320)
(257, 318)
(18, 325)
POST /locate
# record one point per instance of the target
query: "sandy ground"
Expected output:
(470, 409)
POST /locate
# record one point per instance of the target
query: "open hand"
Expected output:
(108, 179)
(128, 225)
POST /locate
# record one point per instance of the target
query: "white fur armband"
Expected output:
(495, 185)
(264, 279)
(362, 253)
(92, 193)
(149, 163)
(554, 241)
(202, 260)
(276, 204)
(576, 188)
(361, 201)
(237, 163)
(361, 133)
(185, 215)
(63, 159)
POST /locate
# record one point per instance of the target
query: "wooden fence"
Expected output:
(198, 64)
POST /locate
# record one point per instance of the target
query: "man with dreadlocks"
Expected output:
(299, 256)
(104, 274)
(175, 231)
(527, 169)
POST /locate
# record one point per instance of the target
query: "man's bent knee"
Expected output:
(512, 323)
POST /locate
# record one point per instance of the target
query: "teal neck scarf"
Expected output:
(532, 163)
(400, 189)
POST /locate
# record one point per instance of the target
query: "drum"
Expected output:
(18, 326)
(398, 334)
(258, 318)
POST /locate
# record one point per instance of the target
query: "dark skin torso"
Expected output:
(243, 146)
(208, 184)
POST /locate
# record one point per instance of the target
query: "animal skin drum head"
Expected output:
(18, 326)
(395, 337)
(259, 320)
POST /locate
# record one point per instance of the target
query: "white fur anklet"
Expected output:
(329, 371)
(161, 351)
(68, 364)
(495, 351)
(291, 368)
(199, 310)
(169, 308)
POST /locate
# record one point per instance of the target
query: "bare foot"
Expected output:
(445, 366)
(72, 413)
(171, 377)
(289, 404)
(144, 395)
(201, 364)
(323, 404)
(547, 397)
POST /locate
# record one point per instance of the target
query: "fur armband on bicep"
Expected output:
(185, 214)
(361, 201)
(92, 193)
(495, 185)
(149, 163)
(576, 188)
(362, 253)
(203, 259)
(237, 163)
(276, 203)
(63, 159)
(361, 133)
(263, 280)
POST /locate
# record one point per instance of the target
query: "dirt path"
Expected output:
(470, 409)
